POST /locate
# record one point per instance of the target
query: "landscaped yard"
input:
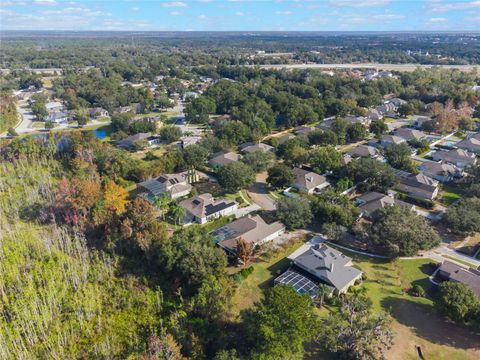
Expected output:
(414, 319)
(449, 193)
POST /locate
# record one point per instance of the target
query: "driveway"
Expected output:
(27, 119)
(259, 193)
(246, 210)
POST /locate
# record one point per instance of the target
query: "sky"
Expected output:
(241, 15)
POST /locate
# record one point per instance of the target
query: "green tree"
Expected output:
(235, 176)
(332, 208)
(49, 125)
(259, 160)
(325, 158)
(355, 332)
(322, 291)
(339, 127)
(464, 216)
(457, 301)
(375, 174)
(399, 156)
(194, 156)
(356, 132)
(378, 127)
(39, 110)
(198, 110)
(170, 134)
(281, 324)
(401, 232)
(323, 137)
(280, 176)
(295, 213)
(177, 212)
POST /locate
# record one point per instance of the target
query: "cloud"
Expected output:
(283, 12)
(175, 13)
(438, 20)
(75, 10)
(174, 4)
(202, 17)
(135, 9)
(440, 6)
(360, 3)
(239, 13)
(45, 2)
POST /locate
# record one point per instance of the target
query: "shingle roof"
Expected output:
(363, 151)
(468, 277)
(409, 134)
(308, 179)
(455, 155)
(252, 147)
(205, 205)
(221, 159)
(373, 201)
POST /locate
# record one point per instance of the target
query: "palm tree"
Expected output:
(323, 289)
(162, 203)
(178, 213)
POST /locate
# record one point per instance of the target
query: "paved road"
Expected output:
(246, 210)
(27, 119)
(259, 193)
(388, 67)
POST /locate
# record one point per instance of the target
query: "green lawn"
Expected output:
(449, 193)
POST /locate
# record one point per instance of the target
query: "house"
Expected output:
(417, 186)
(365, 151)
(253, 147)
(123, 109)
(409, 134)
(98, 112)
(57, 117)
(397, 102)
(388, 140)
(54, 106)
(440, 171)
(418, 121)
(387, 109)
(457, 157)
(189, 140)
(471, 144)
(351, 120)
(284, 138)
(308, 181)
(190, 95)
(252, 229)
(323, 264)
(303, 130)
(374, 114)
(221, 159)
(454, 272)
(204, 207)
(372, 201)
(175, 185)
(326, 123)
(131, 141)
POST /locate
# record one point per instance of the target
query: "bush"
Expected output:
(418, 291)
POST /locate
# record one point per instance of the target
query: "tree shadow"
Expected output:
(431, 326)
(275, 270)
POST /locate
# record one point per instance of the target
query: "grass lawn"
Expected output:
(414, 319)
(471, 246)
(37, 125)
(449, 193)
(460, 261)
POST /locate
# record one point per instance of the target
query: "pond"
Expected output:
(100, 134)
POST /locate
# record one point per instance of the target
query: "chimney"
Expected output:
(331, 267)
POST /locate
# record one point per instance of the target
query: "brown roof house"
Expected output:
(471, 144)
(175, 185)
(252, 229)
(453, 272)
(440, 171)
(417, 186)
(204, 207)
(409, 134)
(308, 181)
(388, 140)
(221, 159)
(319, 262)
(365, 151)
(457, 157)
(372, 201)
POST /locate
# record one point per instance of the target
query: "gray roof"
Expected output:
(439, 169)
(409, 134)
(454, 156)
(284, 138)
(326, 264)
(466, 276)
(471, 144)
(372, 201)
(392, 139)
(131, 140)
(220, 159)
(308, 179)
(253, 147)
(363, 151)
(419, 185)
(205, 205)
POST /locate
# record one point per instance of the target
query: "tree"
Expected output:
(339, 127)
(259, 160)
(295, 213)
(163, 347)
(280, 176)
(12, 132)
(294, 151)
(170, 134)
(323, 289)
(194, 156)
(464, 216)
(177, 212)
(355, 332)
(198, 110)
(235, 176)
(115, 197)
(376, 175)
(281, 324)
(457, 301)
(401, 232)
(244, 251)
(322, 137)
(378, 127)
(399, 156)
(49, 125)
(356, 132)
(325, 158)
(332, 208)
(39, 110)
(162, 202)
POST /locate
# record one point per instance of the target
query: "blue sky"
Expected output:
(241, 15)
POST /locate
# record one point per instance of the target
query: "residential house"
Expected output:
(351, 120)
(174, 185)
(409, 134)
(221, 159)
(387, 140)
(253, 147)
(54, 106)
(457, 157)
(204, 207)
(454, 272)
(57, 117)
(397, 102)
(365, 151)
(374, 114)
(418, 121)
(123, 109)
(131, 141)
(372, 201)
(322, 264)
(387, 109)
(303, 130)
(441, 171)
(308, 181)
(252, 229)
(326, 123)
(417, 186)
(98, 112)
(186, 141)
(471, 144)
(284, 138)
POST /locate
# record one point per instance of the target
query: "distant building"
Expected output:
(351, 120)
(252, 229)
(440, 171)
(221, 159)
(374, 114)
(418, 121)
(253, 147)
(457, 157)
(123, 109)
(131, 141)
(57, 117)
(387, 140)
(54, 106)
(409, 134)
(98, 112)
(303, 130)
(189, 140)
(284, 138)
(372, 201)
(417, 186)
(308, 181)
(174, 185)
(365, 151)
(471, 144)
(203, 208)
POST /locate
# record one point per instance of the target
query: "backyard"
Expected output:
(415, 321)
